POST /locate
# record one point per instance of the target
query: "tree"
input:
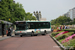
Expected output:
(33, 18)
(61, 20)
(4, 11)
(10, 11)
(29, 16)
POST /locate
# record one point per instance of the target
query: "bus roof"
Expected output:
(20, 21)
(32, 21)
(37, 21)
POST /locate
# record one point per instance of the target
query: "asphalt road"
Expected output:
(29, 43)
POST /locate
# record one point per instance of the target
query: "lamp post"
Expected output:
(37, 14)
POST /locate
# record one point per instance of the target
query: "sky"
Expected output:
(50, 9)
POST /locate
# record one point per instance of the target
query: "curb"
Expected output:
(6, 37)
(3, 38)
(61, 46)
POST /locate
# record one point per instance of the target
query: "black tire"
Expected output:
(44, 33)
(36, 35)
(15, 34)
(20, 35)
(32, 34)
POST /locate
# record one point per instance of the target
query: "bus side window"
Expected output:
(28, 25)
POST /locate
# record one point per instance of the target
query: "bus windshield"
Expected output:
(37, 25)
(20, 26)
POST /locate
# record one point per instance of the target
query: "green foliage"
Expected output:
(2, 22)
(29, 16)
(57, 25)
(70, 30)
(64, 35)
(55, 33)
(13, 11)
(60, 37)
(33, 18)
(61, 40)
(71, 43)
(69, 34)
(71, 22)
(60, 20)
(74, 46)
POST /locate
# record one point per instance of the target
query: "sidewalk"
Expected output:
(6, 37)
(3, 38)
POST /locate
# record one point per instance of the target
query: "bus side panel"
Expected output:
(29, 31)
(47, 30)
(20, 32)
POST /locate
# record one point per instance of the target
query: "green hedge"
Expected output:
(70, 30)
(55, 33)
(70, 43)
(64, 35)
(60, 37)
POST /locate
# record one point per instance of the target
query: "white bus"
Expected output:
(32, 27)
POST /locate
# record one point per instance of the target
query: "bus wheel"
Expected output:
(32, 34)
(35, 35)
(15, 34)
(20, 35)
(45, 32)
